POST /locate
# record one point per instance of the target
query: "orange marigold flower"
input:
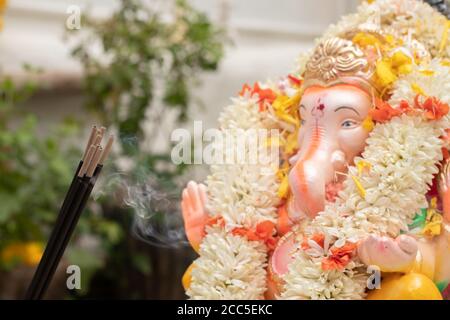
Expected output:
(265, 229)
(405, 107)
(318, 238)
(296, 81)
(383, 111)
(217, 219)
(264, 95)
(264, 232)
(245, 88)
(434, 108)
(339, 257)
(241, 231)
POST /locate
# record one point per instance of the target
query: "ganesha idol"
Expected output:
(361, 193)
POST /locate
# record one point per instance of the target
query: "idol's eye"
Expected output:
(347, 124)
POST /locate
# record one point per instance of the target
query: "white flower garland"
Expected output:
(403, 155)
(229, 266)
(398, 17)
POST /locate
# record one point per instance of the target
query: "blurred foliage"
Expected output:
(141, 49)
(35, 174)
(142, 60)
(2, 9)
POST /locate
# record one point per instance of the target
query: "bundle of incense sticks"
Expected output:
(74, 203)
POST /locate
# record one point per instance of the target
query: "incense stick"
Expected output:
(94, 162)
(74, 203)
(107, 150)
(91, 138)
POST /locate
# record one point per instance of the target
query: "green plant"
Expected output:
(142, 50)
(148, 63)
(35, 173)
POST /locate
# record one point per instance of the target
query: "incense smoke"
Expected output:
(157, 219)
(154, 200)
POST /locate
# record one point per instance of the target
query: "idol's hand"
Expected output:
(195, 215)
(390, 255)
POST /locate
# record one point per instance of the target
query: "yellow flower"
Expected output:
(368, 124)
(29, 253)
(291, 143)
(363, 166)
(12, 252)
(445, 63)
(399, 58)
(433, 225)
(283, 189)
(385, 73)
(366, 39)
(33, 253)
(359, 187)
(433, 203)
(389, 68)
(405, 69)
(427, 73)
(401, 62)
(280, 102)
(282, 175)
(417, 89)
(392, 41)
(285, 108)
(433, 220)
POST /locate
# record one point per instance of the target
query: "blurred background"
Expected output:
(141, 68)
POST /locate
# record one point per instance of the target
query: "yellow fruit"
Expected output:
(412, 286)
(187, 276)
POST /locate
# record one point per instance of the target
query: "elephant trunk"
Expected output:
(315, 168)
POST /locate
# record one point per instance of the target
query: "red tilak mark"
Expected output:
(321, 107)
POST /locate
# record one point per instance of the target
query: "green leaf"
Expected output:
(8, 206)
(142, 263)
